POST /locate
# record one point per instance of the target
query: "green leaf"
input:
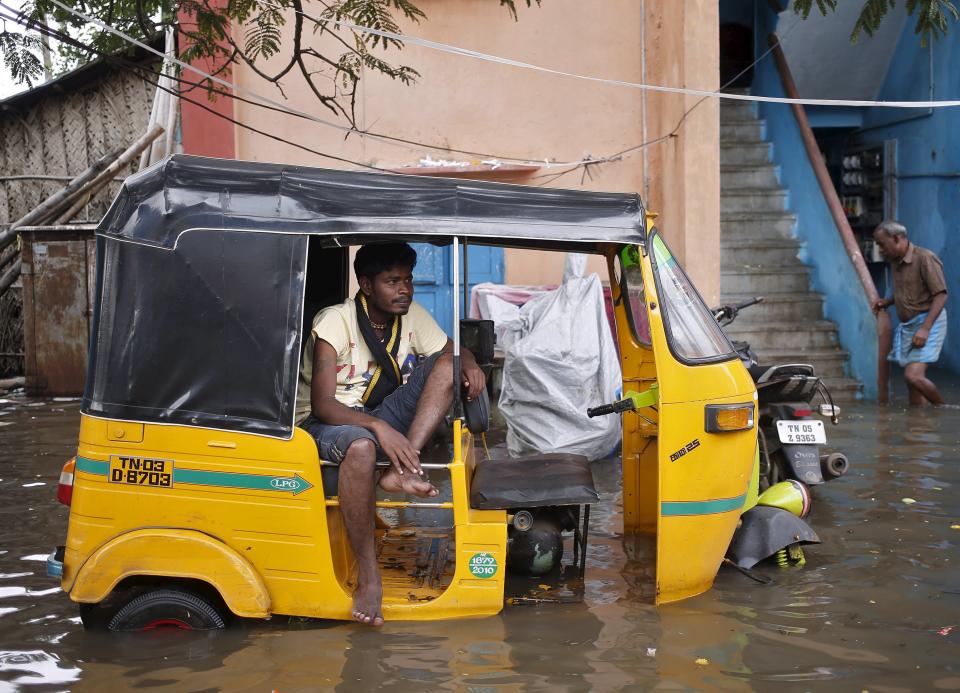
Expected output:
(933, 16)
(18, 53)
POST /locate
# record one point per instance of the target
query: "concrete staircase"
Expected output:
(759, 258)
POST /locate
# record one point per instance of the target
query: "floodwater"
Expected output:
(876, 608)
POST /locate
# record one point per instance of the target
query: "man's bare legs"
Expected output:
(920, 387)
(356, 489)
(357, 497)
(432, 406)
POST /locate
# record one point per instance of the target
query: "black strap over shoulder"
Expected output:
(386, 378)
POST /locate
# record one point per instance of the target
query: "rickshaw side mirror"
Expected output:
(478, 336)
(476, 412)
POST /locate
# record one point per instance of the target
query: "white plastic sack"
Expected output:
(564, 362)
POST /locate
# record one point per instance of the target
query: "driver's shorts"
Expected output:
(397, 409)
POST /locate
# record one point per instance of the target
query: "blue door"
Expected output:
(433, 277)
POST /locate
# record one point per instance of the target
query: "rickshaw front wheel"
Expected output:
(166, 608)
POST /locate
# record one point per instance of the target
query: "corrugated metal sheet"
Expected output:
(58, 275)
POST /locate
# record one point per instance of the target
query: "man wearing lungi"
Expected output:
(920, 295)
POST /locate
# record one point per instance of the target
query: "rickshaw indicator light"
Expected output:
(65, 485)
(722, 418)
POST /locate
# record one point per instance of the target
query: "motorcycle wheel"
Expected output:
(773, 474)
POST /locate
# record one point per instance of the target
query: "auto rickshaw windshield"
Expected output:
(692, 333)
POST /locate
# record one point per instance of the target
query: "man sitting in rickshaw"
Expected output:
(375, 382)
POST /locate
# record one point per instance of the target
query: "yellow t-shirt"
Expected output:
(337, 325)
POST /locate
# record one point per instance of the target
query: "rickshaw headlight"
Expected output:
(721, 418)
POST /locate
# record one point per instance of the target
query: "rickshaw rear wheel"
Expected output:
(167, 608)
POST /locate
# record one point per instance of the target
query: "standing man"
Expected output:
(920, 295)
(366, 396)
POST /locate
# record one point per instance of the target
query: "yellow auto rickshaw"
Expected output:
(193, 497)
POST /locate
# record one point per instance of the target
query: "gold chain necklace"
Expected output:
(376, 326)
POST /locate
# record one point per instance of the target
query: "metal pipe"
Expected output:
(884, 332)
(334, 502)
(466, 277)
(428, 465)
(457, 404)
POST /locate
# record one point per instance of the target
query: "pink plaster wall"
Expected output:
(501, 110)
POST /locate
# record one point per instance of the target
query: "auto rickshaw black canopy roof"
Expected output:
(183, 192)
(202, 273)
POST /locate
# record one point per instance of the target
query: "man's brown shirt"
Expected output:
(917, 278)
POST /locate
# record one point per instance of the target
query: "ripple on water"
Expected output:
(850, 620)
(26, 667)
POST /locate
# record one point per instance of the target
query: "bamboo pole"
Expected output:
(75, 208)
(12, 383)
(55, 200)
(81, 202)
(8, 254)
(75, 187)
(884, 331)
(127, 157)
(145, 155)
(92, 179)
(9, 277)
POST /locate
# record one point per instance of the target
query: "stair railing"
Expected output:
(884, 330)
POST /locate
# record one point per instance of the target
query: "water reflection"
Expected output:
(28, 667)
(872, 610)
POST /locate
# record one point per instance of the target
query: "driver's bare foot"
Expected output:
(392, 482)
(367, 599)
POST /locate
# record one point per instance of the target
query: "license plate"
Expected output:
(801, 432)
(141, 471)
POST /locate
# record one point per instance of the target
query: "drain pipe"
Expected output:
(643, 100)
(884, 331)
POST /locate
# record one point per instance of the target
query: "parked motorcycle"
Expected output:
(790, 436)
(771, 524)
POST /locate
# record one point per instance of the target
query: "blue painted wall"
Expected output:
(433, 277)
(928, 157)
(832, 273)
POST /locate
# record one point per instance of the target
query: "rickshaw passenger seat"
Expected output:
(533, 481)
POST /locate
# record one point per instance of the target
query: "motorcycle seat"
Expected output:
(765, 373)
(533, 481)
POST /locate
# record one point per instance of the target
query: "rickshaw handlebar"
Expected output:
(615, 408)
(632, 402)
(726, 314)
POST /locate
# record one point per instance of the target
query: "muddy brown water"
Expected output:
(872, 609)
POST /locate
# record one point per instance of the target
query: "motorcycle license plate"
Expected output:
(801, 432)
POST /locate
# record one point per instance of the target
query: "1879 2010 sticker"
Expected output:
(141, 471)
(483, 565)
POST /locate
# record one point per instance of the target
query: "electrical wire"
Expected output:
(266, 102)
(143, 71)
(396, 141)
(673, 133)
(466, 52)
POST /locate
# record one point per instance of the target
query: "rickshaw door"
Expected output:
(706, 435)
